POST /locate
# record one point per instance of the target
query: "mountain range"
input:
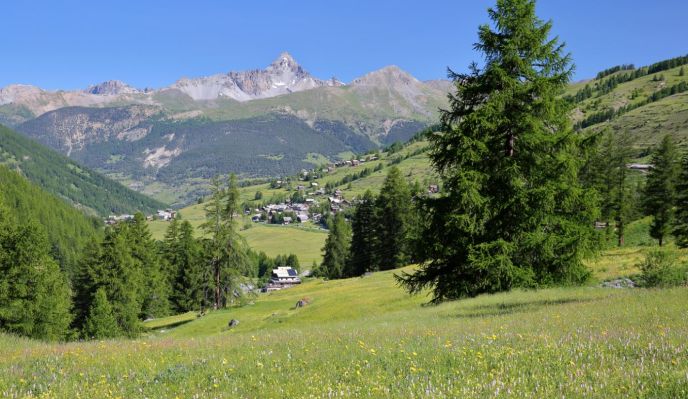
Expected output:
(275, 121)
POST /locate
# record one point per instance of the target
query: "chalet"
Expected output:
(355, 162)
(282, 277)
(256, 218)
(287, 219)
(302, 217)
(300, 187)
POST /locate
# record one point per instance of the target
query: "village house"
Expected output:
(302, 217)
(166, 215)
(281, 278)
(287, 219)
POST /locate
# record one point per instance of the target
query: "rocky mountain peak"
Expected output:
(389, 75)
(284, 62)
(111, 87)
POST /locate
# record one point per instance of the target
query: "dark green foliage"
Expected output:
(68, 229)
(336, 249)
(35, 298)
(155, 288)
(183, 252)
(392, 210)
(660, 268)
(364, 238)
(660, 189)
(512, 211)
(66, 179)
(680, 230)
(101, 322)
(119, 266)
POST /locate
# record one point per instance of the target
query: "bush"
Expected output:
(661, 269)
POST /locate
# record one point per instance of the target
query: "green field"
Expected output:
(364, 337)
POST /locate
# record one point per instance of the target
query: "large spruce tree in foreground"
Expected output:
(512, 213)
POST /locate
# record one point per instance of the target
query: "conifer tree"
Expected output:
(607, 174)
(660, 190)
(226, 250)
(393, 208)
(188, 287)
(155, 289)
(101, 322)
(35, 298)
(681, 223)
(364, 238)
(512, 211)
(336, 249)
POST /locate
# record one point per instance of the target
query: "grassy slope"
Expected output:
(364, 337)
(647, 124)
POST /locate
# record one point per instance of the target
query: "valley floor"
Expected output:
(365, 337)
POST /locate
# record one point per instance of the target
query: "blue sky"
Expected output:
(73, 43)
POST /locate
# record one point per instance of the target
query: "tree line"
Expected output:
(379, 234)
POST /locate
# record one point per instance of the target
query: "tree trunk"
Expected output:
(620, 232)
(217, 287)
(509, 152)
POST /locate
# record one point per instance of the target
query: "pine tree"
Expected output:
(660, 189)
(393, 207)
(336, 249)
(101, 322)
(681, 72)
(512, 212)
(364, 238)
(681, 223)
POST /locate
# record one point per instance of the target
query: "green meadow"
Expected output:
(365, 337)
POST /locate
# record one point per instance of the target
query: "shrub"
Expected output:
(661, 269)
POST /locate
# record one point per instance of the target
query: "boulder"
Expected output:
(233, 323)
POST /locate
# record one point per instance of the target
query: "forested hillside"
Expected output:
(68, 180)
(67, 228)
(647, 102)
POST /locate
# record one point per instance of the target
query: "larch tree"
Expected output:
(227, 257)
(363, 256)
(393, 211)
(101, 322)
(513, 212)
(336, 249)
(660, 189)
